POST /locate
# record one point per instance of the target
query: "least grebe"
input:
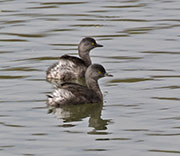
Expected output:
(73, 93)
(70, 67)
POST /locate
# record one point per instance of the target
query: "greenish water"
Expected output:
(140, 113)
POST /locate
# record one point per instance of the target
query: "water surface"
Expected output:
(140, 114)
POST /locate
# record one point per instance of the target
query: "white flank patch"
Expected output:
(59, 96)
(66, 64)
(64, 68)
(61, 68)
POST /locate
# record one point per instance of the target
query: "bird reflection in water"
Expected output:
(79, 112)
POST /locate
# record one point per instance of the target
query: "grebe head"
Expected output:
(88, 44)
(96, 71)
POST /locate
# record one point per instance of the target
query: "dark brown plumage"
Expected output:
(72, 93)
(70, 67)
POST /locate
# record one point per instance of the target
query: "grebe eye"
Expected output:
(99, 72)
(93, 43)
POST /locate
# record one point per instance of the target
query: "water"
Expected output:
(140, 114)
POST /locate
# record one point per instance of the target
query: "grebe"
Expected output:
(70, 67)
(73, 93)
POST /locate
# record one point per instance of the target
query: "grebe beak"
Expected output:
(98, 45)
(108, 75)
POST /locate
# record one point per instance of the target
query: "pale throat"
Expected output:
(85, 57)
(93, 84)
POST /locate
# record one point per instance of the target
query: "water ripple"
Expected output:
(166, 98)
(130, 80)
(11, 125)
(20, 69)
(62, 3)
(12, 77)
(26, 35)
(164, 151)
(13, 40)
(127, 6)
(161, 52)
